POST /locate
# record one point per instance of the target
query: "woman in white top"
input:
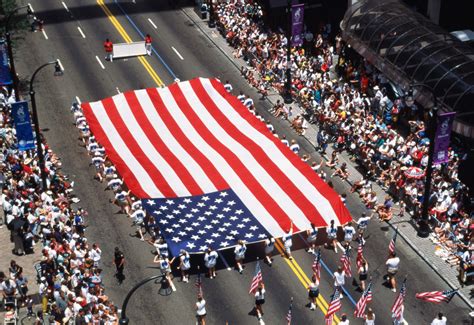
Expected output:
(184, 265)
(210, 260)
(269, 247)
(331, 231)
(369, 317)
(312, 236)
(165, 268)
(239, 252)
(259, 299)
(339, 279)
(201, 311)
(313, 292)
(288, 242)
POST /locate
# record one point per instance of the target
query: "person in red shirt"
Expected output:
(148, 44)
(109, 48)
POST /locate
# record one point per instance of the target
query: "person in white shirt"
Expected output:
(228, 87)
(161, 246)
(269, 247)
(440, 320)
(184, 265)
(201, 311)
(95, 254)
(295, 147)
(393, 263)
(369, 317)
(349, 232)
(288, 242)
(363, 222)
(344, 320)
(260, 300)
(138, 217)
(239, 252)
(165, 267)
(339, 279)
(210, 260)
(312, 235)
(331, 231)
(313, 292)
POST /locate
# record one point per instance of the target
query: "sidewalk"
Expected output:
(406, 227)
(25, 261)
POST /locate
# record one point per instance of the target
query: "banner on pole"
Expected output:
(442, 137)
(5, 75)
(297, 24)
(21, 119)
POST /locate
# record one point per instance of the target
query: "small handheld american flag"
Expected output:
(363, 301)
(290, 312)
(393, 241)
(334, 306)
(257, 278)
(346, 263)
(397, 307)
(198, 284)
(317, 265)
(437, 296)
(360, 256)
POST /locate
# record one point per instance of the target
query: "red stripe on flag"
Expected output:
(132, 181)
(132, 144)
(231, 158)
(206, 165)
(176, 164)
(298, 198)
(333, 198)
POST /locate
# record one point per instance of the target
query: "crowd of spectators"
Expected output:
(349, 101)
(69, 273)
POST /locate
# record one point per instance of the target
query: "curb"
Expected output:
(404, 237)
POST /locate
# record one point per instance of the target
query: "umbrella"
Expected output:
(414, 172)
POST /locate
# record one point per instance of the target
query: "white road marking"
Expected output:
(44, 33)
(177, 53)
(80, 31)
(118, 90)
(152, 23)
(78, 100)
(100, 62)
(61, 65)
(225, 261)
(65, 7)
(31, 7)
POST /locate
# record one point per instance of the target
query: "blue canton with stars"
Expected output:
(215, 219)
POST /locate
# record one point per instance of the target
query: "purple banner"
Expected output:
(442, 137)
(297, 24)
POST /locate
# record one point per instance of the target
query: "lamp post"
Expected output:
(39, 147)
(423, 226)
(287, 95)
(211, 22)
(10, 50)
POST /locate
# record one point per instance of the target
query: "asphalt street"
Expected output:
(74, 33)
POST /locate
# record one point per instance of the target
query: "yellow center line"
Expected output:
(295, 267)
(127, 39)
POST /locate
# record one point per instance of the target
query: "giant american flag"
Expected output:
(193, 141)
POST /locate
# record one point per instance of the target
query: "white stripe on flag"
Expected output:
(259, 173)
(237, 184)
(162, 130)
(300, 181)
(144, 180)
(147, 147)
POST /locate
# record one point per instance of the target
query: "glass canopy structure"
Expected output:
(409, 49)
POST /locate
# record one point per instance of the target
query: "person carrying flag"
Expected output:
(313, 292)
(349, 233)
(259, 300)
(312, 236)
(440, 320)
(363, 273)
(288, 242)
(370, 317)
(165, 268)
(239, 252)
(210, 260)
(393, 264)
(339, 279)
(201, 310)
(363, 222)
(184, 265)
(331, 231)
(269, 247)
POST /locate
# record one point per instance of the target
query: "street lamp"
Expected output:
(57, 72)
(211, 22)
(423, 226)
(10, 50)
(287, 94)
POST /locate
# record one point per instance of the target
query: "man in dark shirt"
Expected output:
(119, 261)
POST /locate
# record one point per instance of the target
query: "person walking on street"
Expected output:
(393, 263)
(239, 252)
(148, 41)
(331, 231)
(260, 300)
(369, 317)
(440, 320)
(119, 261)
(344, 320)
(184, 265)
(210, 260)
(312, 236)
(109, 49)
(269, 247)
(363, 272)
(363, 222)
(288, 242)
(201, 311)
(165, 267)
(339, 279)
(313, 292)
(349, 233)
